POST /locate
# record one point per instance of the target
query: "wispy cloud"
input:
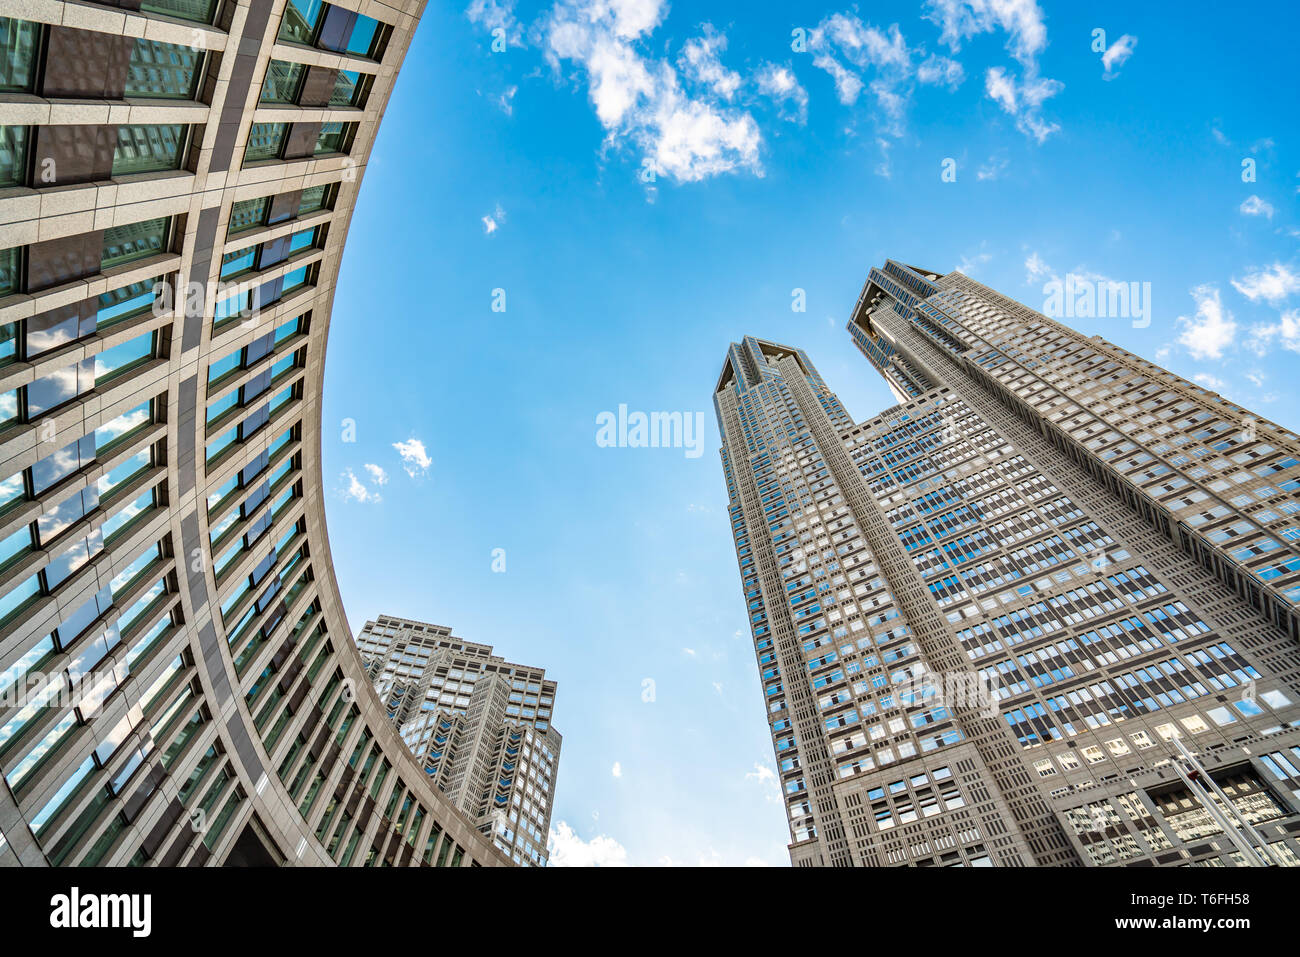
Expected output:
(415, 460)
(643, 101)
(1117, 55)
(494, 220)
(1212, 329)
(1254, 206)
(1271, 284)
(354, 490)
(1022, 21)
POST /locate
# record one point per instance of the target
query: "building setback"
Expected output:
(1029, 615)
(177, 676)
(478, 725)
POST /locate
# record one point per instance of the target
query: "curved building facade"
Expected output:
(178, 684)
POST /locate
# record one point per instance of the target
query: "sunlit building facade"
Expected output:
(1041, 612)
(178, 682)
(478, 725)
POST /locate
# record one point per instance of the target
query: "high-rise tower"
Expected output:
(1041, 612)
(478, 725)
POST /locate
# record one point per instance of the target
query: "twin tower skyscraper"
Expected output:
(1044, 611)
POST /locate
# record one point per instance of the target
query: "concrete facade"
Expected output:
(182, 558)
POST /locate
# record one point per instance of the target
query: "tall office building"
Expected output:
(478, 725)
(178, 682)
(1044, 611)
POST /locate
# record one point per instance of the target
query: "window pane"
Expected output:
(239, 261)
(126, 244)
(300, 19)
(282, 80)
(346, 85)
(264, 141)
(165, 70)
(147, 149)
(313, 199)
(248, 214)
(13, 155)
(362, 40)
(333, 138)
(10, 262)
(125, 302)
(17, 54)
(113, 362)
(200, 11)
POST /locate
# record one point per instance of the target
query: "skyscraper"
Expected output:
(478, 725)
(1043, 611)
(178, 684)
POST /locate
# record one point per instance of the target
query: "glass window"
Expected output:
(18, 42)
(241, 260)
(313, 199)
(199, 11)
(126, 244)
(248, 214)
(347, 87)
(303, 239)
(13, 155)
(334, 138)
(11, 261)
(300, 20)
(126, 302)
(282, 82)
(8, 343)
(364, 35)
(127, 355)
(148, 149)
(265, 141)
(163, 70)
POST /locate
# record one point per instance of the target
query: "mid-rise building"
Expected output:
(478, 725)
(1043, 611)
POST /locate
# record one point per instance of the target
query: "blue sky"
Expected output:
(639, 183)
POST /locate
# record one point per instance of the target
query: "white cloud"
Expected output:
(415, 460)
(970, 263)
(494, 220)
(1209, 381)
(1211, 330)
(767, 780)
(1117, 55)
(505, 100)
(1036, 268)
(641, 100)
(846, 48)
(377, 475)
(1256, 379)
(1254, 206)
(1023, 101)
(494, 15)
(567, 849)
(992, 169)
(940, 71)
(1285, 332)
(779, 83)
(1271, 284)
(355, 490)
(617, 770)
(700, 61)
(1022, 22)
